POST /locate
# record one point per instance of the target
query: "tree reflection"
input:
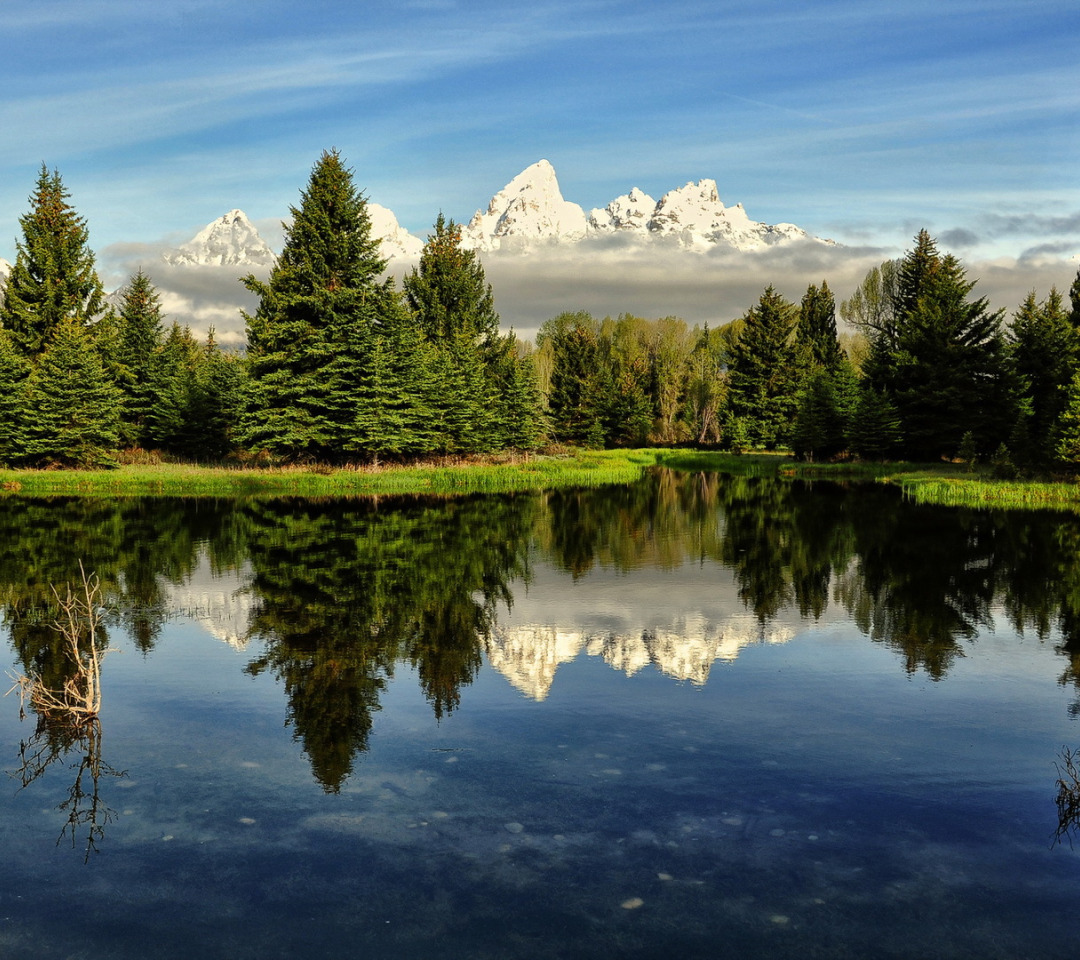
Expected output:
(344, 591)
(74, 746)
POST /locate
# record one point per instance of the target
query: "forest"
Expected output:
(343, 367)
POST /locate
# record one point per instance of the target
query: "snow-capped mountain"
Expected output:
(231, 240)
(530, 211)
(397, 242)
(5, 270)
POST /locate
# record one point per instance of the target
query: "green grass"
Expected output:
(945, 484)
(576, 468)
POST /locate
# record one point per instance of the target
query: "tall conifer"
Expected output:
(303, 340)
(53, 278)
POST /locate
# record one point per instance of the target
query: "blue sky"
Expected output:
(859, 120)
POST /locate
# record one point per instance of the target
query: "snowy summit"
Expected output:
(530, 211)
(231, 240)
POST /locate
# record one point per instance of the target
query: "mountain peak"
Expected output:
(231, 240)
(529, 209)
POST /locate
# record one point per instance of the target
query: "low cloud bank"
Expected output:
(604, 278)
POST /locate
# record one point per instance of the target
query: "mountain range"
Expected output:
(530, 213)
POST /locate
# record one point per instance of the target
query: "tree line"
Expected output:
(932, 373)
(339, 366)
(342, 366)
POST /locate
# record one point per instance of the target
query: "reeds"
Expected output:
(1068, 795)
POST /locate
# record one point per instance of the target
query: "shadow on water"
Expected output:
(342, 592)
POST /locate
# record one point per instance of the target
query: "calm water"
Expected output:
(696, 717)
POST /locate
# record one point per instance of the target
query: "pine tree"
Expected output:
(14, 412)
(580, 394)
(137, 358)
(76, 406)
(448, 292)
(876, 431)
(1044, 348)
(302, 339)
(53, 279)
(817, 328)
(453, 305)
(817, 432)
(1068, 441)
(940, 360)
(762, 382)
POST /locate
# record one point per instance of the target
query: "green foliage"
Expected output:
(448, 293)
(1068, 444)
(817, 328)
(1044, 348)
(763, 378)
(940, 357)
(876, 432)
(53, 279)
(308, 339)
(76, 406)
(818, 431)
(14, 411)
(136, 356)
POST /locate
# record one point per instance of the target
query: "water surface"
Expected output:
(699, 716)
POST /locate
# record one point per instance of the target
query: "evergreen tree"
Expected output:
(453, 305)
(170, 414)
(14, 412)
(580, 394)
(76, 406)
(212, 400)
(397, 397)
(1068, 441)
(518, 424)
(448, 293)
(876, 431)
(817, 432)
(53, 279)
(940, 357)
(138, 342)
(1044, 348)
(762, 382)
(304, 367)
(817, 328)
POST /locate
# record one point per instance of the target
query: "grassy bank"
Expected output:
(946, 484)
(578, 468)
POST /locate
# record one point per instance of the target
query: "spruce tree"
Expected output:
(1044, 348)
(53, 279)
(762, 381)
(76, 405)
(1068, 438)
(14, 412)
(137, 357)
(452, 303)
(941, 359)
(448, 292)
(303, 362)
(817, 328)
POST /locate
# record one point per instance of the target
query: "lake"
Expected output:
(697, 716)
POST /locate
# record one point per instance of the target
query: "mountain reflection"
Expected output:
(331, 596)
